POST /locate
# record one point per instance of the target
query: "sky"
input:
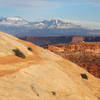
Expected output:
(86, 12)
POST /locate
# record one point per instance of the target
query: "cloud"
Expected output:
(29, 4)
(84, 0)
(36, 4)
(89, 24)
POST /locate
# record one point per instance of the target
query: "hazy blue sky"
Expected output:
(86, 11)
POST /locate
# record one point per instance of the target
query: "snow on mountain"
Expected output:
(43, 24)
(60, 24)
(53, 27)
(15, 18)
(13, 21)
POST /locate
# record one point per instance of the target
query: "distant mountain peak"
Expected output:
(15, 18)
(56, 21)
(12, 21)
(50, 27)
(60, 24)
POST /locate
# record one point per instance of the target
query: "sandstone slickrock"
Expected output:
(42, 75)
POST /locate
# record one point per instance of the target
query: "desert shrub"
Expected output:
(84, 76)
(30, 48)
(18, 53)
(53, 92)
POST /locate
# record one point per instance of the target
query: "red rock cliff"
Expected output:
(85, 54)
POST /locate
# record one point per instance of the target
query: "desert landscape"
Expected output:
(29, 72)
(84, 54)
(49, 49)
(50, 40)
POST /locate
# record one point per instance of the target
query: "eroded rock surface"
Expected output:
(85, 54)
(42, 75)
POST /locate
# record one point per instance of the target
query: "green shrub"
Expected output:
(53, 92)
(30, 48)
(18, 53)
(84, 76)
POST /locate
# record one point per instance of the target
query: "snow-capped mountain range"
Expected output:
(20, 26)
(17, 21)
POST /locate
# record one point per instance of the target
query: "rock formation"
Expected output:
(85, 54)
(41, 74)
(84, 46)
(81, 46)
(50, 40)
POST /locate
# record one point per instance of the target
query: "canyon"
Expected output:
(84, 54)
(44, 41)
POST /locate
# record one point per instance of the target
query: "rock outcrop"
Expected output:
(77, 39)
(85, 54)
(50, 40)
(81, 46)
(84, 46)
(41, 75)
